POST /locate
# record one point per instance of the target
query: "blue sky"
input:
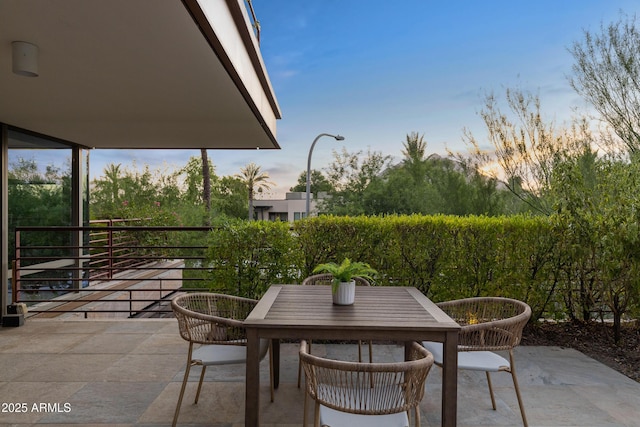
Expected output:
(375, 71)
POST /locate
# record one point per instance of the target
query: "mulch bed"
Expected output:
(593, 339)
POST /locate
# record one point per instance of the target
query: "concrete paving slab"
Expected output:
(129, 372)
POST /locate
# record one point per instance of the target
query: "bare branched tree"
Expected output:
(607, 75)
(525, 146)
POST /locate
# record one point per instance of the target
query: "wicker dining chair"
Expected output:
(488, 324)
(326, 280)
(352, 393)
(215, 323)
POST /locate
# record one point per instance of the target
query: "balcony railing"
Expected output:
(107, 269)
(254, 20)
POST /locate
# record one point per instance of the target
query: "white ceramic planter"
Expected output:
(345, 294)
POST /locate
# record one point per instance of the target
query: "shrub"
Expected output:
(538, 260)
(246, 257)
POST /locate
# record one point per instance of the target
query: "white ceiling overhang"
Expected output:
(138, 74)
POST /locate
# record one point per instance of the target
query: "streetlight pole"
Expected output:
(337, 138)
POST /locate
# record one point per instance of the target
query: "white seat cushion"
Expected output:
(216, 354)
(355, 398)
(471, 360)
(333, 418)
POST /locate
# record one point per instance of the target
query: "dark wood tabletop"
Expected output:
(388, 313)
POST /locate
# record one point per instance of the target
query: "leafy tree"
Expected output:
(127, 191)
(439, 185)
(180, 193)
(255, 180)
(481, 193)
(403, 192)
(448, 180)
(229, 197)
(418, 184)
(607, 74)
(38, 198)
(139, 188)
(194, 192)
(318, 183)
(596, 205)
(193, 177)
(350, 177)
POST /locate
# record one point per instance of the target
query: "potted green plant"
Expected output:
(343, 286)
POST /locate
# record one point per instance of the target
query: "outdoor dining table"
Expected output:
(386, 313)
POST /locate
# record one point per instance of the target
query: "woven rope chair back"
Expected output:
(367, 388)
(488, 323)
(208, 318)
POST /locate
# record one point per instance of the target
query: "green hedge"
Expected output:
(246, 257)
(446, 257)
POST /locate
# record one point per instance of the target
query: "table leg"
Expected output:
(450, 379)
(275, 351)
(252, 386)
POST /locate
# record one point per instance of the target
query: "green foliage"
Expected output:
(123, 191)
(228, 198)
(598, 215)
(38, 198)
(606, 74)
(319, 183)
(346, 271)
(425, 185)
(415, 248)
(255, 180)
(329, 238)
(447, 257)
(563, 266)
(350, 176)
(194, 179)
(247, 257)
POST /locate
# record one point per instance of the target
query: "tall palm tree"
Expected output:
(206, 185)
(255, 180)
(414, 151)
(112, 175)
(414, 148)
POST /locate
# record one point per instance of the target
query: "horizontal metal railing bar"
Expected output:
(120, 290)
(123, 290)
(119, 244)
(45, 288)
(88, 301)
(92, 279)
(119, 228)
(87, 290)
(103, 311)
(151, 247)
(86, 259)
(41, 289)
(129, 248)
(133, 269)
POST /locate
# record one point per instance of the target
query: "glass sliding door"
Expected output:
(46, 184)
